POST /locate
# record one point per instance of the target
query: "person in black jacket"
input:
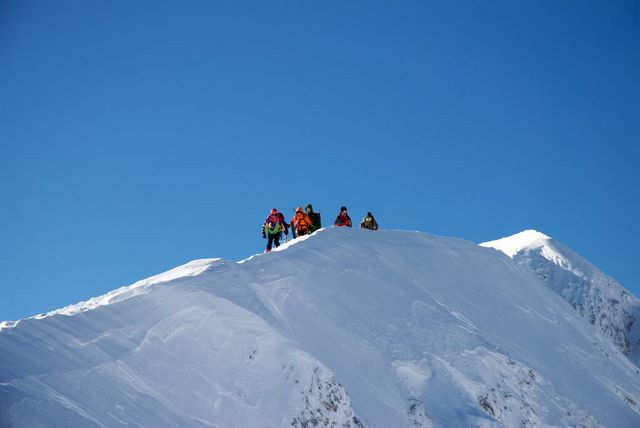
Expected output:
(314, 217)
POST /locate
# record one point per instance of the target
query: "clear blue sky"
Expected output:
(136, 136)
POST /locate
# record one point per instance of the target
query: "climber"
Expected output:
(315, 219)
(271, 228)
(369, 222)
(343, 218)
(300, 223)
(285, 224)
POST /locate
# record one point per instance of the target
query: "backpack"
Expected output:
(273, 225)
(315, 221)
(302, 222)
(369, 223)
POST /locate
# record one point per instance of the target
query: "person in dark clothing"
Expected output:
(285, 224)
(343, 218)
(369, 222)
(272, 227)
(314, 217)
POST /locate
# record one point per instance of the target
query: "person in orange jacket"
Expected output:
(300, 223)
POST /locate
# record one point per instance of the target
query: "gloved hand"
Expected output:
(264, 235)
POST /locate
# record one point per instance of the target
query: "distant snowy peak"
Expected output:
(512, 245)
(530, 240)
(597, 297)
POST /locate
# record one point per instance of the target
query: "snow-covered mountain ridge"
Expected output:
(346, 328)
(192, 268)
(597, 297)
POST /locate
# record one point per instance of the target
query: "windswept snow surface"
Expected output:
(192, 268)
(348, 328)
(597, 297)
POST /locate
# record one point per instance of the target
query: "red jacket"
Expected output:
(343, 219)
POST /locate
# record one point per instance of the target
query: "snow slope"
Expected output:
(346, 328)
(597, 297)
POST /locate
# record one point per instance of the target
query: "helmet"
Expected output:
(274, 211)
(299, 210)
(309, 207)
(343, 209)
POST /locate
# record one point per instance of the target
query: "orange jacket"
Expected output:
(300, 221)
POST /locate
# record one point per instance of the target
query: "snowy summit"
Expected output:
(512, 245)
(597, 297)
(346, 328)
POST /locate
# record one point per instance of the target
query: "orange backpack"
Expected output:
(301, 221)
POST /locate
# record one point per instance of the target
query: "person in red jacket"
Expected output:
(300, 223)
(343, 218)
